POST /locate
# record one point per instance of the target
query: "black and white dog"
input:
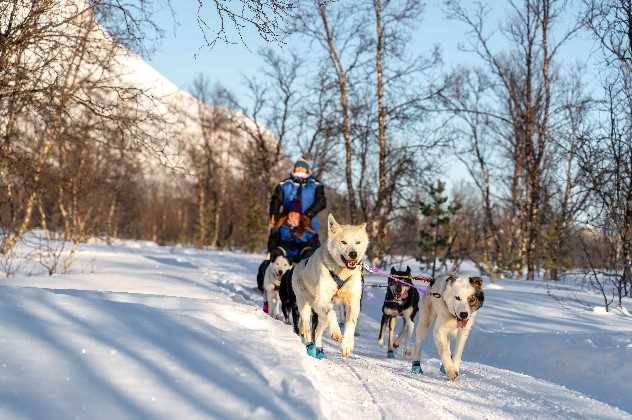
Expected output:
(402, 299)
(288, 300)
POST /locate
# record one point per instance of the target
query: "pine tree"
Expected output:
(435, 234)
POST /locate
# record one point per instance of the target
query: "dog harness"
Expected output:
(339, 282)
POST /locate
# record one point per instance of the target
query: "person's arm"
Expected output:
(320, 202)
(276, 202)
(274, 240)
(276, 245)
(314, 242)
(310, 246)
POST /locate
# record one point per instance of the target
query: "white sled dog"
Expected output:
(332, 275)
(452, 303)
(272, 281)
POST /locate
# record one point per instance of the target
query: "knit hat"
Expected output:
(303, 162)
(296, 205)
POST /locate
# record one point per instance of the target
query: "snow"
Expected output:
(139, 331)
(601, 310)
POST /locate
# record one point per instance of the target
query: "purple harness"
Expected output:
(420, 277)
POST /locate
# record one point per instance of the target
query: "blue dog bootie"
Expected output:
(315, 352)
(390, 354)
(311, 349)
(320, 353)
(442, 369)
(416, 369)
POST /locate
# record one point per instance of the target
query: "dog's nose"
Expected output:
(463, 315)
(353, 255)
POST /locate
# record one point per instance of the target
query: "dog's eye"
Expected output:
(357, 242)
(343, 242)
(457, 297)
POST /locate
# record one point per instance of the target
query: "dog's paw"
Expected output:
(320, 353)
(451, 374)
(390, 354)
(346, 347)
(380, 342)
(336, 335)
(396, 345)
(408, 351)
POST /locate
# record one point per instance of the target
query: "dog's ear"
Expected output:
(451, 278)
(363, 226)
(477, 282)
(392, 270)
(408, 270)
(332, 225)
(477, 299)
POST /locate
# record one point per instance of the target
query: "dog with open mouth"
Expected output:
(451, 303)
(332, 275)
(401, 299)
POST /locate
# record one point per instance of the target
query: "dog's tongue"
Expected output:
(461, 323)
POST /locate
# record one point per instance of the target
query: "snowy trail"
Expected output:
(140, 331)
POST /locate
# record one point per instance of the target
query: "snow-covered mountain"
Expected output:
(183, 117)
(170, 119)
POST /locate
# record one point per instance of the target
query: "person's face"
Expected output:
(293, 219)
(301, 172)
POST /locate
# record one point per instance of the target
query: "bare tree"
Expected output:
(60, 85)
(605, 155)
(339, 32)
(211, 158)
(474, 141)
(525, 79)
(223, 21)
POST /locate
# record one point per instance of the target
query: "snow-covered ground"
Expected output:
(140, 331)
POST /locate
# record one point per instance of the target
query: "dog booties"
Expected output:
(315, 352)
(442, 369)
(390, 355)
(320, 353)
(416, 369)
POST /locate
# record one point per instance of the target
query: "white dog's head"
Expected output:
(347, 244)
(463, 296)
(280, 265)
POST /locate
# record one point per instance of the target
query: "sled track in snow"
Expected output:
(366, 388)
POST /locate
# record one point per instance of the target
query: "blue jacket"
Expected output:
(312, 198)
(291, 243)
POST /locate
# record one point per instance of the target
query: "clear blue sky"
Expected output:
(182, 54)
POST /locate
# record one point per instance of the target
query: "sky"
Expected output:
(182, 54)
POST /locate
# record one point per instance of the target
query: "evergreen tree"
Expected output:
(435, 234)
